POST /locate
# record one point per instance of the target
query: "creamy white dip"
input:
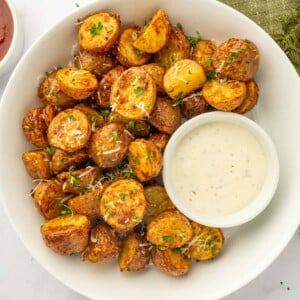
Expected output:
(218, 168)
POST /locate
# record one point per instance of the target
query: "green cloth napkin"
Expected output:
(280, 18)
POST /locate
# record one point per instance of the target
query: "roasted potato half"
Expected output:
(123, 204)
(170, 229)
(203, 52)
(184, 77)
(135, 253)
(194, 105)
(99, 32)
(145, 159)
(157, 72)
(133, 94)
(67, 234)
(154, 35)
(225, 96)
(160, 140)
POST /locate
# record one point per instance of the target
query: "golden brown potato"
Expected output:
(170, 261)
(62, 160)
(77, 83)
(123, 204)
(169, 229)
(176, 48)
(203, 52)
(160, 140)
(101, 96)
(133, 94)
(37, 164)
(69, 130)
(108, 146)
(145, 159)
(99, 32)
(251, 98)
(135, 254)
(236, 59)
(157, 201)
(225, 96)
(194, 105)
(165, 116)
(67, 234)
(51, 93)
(184, 77)
(96, 63)
(154, 35)
(157, 72)
(127, 54)
(103, 244)
(206, 244)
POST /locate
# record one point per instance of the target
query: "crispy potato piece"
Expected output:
(101, 96)
(122, 171)
(99, 32)
(103, 244)
(169, 229)
(127, 54)
(109, 145)
(62, 160)
(69, 130)
(206, 244)
(96, 63)
(145, 159)
(77, 83)
(154, 35)
(165, 116)
(251, 98)
(194, 105)
(77, 181)
(157, 72)
(135, 253)
(67, 234)
(123, 204)
(51, 93)
(133, 94)
(203, 52)
(184, 77)
(48, 195)
(176, 48)
(170, 261)
(236, 59)
(225, 96)
(160, 140)
(157, 201)
(37, 164)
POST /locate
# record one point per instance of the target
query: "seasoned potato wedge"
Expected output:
(176, 48)
(251, 98)
(203, 52)
(67, 234)
(154, 35)
(160, 140)
(123, 204)
(169, 229)
(77, 83)
(133, 94)
(135, 254)
(236, 59)
(225, 96)
(99, 32)
(37, 164)
(103, 244)
(157, 201)
(206, 244)
(109, 145)
(194, 105)
(170, 261)
(127, 54)
(69, 130)
(145, 159)
(165, 116)
(184, 77)
(157, 72)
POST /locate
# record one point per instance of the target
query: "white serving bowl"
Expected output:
(254, 207)
(249, 248)
(15, 48)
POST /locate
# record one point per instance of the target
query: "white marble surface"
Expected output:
(21, 277)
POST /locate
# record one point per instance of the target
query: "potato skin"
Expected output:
(66, 235)
(194, 105)
(157, 72)
(160, 140)
(170, 229)
(203, 52)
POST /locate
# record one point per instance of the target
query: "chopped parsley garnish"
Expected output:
(136, 160)
(95, 29)
(94, 118)
(77, 4)
(137, 218)
(210, 75)
(72, 168)
(232, 55)
(176, 250)
(148, 155)
(137, 51)
(139, 91)
(168, 238)
(66, 211)
(115, 135)
(131, 124)
(179, 25)
(104, 113)
(87, 190)
(122, 195)
(134, 192)
(51, 150)
(159, 247)
(61, 162)
(194, 39)
(177, 102)
(71, 117)
(208, 61)
(73, 178)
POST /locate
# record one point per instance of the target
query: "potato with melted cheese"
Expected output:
(203, 52)
(160, 140)
(157, 72)
(194, 105)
